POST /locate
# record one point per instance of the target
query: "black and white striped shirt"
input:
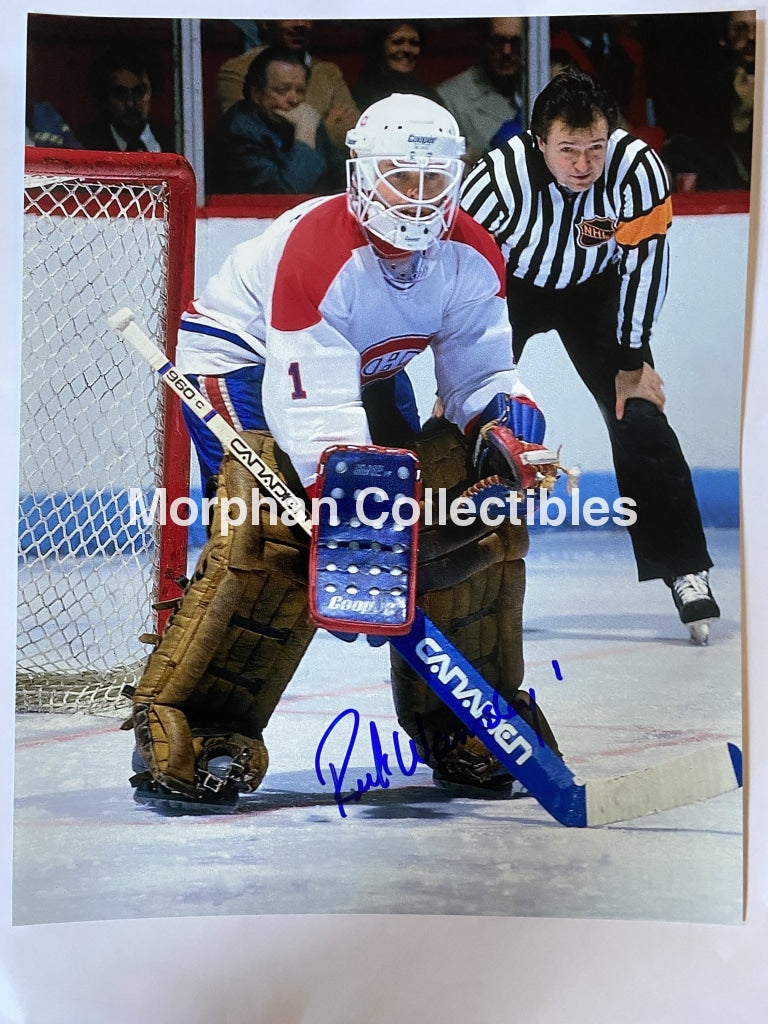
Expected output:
(553, 238)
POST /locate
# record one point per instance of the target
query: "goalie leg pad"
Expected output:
(472, 586)
(231, 647)
(442, 449)
(482, 617)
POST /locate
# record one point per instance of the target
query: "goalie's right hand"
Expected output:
(507, 445)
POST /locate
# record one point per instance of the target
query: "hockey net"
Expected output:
(101, 231)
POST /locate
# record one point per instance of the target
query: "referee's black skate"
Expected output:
(695, 603)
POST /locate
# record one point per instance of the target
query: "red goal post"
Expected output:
(101, 230)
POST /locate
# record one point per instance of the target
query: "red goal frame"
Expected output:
(177, 175)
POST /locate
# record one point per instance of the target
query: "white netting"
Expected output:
(90, 415)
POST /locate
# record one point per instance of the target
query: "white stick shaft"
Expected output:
(122, 322)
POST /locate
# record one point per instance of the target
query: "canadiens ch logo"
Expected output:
(596, 231)
(387, 357)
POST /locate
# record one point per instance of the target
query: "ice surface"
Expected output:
(633, 691)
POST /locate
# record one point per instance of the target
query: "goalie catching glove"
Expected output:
(506, 444)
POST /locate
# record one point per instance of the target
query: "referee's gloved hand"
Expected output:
(506, 443)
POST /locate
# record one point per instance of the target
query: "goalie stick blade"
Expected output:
(701, 773)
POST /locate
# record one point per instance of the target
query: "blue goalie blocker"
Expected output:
(365, 522)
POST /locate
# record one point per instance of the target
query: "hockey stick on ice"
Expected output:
(701, 773)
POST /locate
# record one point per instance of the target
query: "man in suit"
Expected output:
(327, 92)
(121, 82)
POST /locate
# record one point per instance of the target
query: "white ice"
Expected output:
(633, 691)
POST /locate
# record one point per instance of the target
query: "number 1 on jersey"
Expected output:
(295, 374)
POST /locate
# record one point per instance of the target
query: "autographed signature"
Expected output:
(382, 771)
(405, 761)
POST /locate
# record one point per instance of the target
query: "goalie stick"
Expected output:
(699, 774)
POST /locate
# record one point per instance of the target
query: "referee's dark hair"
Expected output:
(256, 76)
(575, 98)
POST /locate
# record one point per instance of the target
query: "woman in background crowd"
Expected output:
(394, 48)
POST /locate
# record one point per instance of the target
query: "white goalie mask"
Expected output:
(404, 179)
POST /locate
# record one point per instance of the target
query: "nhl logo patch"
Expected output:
(596, 231)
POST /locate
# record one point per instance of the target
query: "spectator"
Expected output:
(487, 99)
(272, 140)
(327, 91)
(44, 126)
(741, 44)
(722, 159)
(122, 82)
(394, 48)
(607, 49)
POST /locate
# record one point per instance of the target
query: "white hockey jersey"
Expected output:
(308, 298)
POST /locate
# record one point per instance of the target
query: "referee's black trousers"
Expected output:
(667, 538)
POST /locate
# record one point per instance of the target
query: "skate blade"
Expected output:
(699, 632)
(173, 804)
(511, 790)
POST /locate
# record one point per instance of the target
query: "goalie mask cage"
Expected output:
(101, 230)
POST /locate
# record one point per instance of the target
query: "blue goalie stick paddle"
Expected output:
(701, 773)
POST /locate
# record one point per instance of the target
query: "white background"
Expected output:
(334, 970)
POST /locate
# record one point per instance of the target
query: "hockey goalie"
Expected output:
(301, 342)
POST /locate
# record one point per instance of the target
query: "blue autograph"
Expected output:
(382, 770)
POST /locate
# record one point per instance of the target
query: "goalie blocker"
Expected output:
(362, 567)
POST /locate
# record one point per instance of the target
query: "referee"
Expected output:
(581, 210)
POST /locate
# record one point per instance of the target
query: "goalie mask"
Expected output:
(403, 181)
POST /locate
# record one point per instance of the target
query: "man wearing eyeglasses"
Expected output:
(486, 99)
(121, 83)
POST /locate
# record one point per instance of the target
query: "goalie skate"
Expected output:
(219, 793)
(470, 770)
(150, 793)
(362, 563)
